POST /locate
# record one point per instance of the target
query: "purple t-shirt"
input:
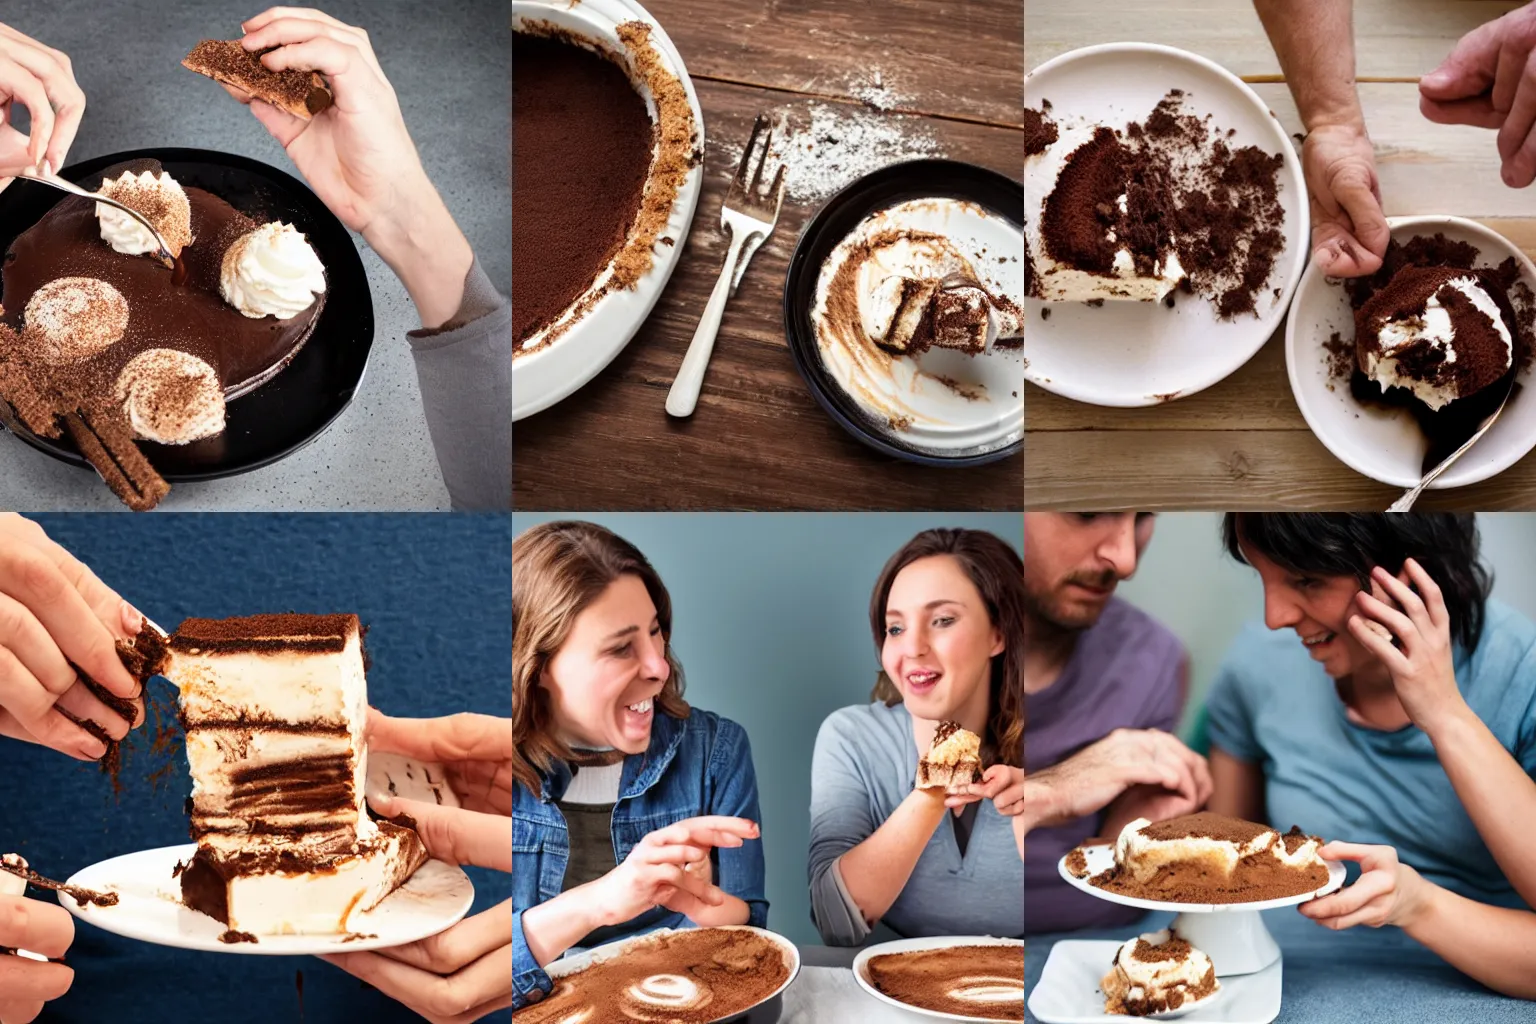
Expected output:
(1126, 672)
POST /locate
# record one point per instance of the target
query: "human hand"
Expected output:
(475, 751)
(464, 973)
(1488, 80)
(26, 984)
(1349, 230)
(1387, 892)
(1089, 780)
(1002, 784)
(41, 79)
(358, 156)
(1153, 803)
(54, 611)
(1411, 634)
(662, 869)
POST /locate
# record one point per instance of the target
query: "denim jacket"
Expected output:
(694, 766)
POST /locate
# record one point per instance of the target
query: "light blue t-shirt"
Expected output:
(1273, 705)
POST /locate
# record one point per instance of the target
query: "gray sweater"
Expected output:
(465, 371)
(864, 766)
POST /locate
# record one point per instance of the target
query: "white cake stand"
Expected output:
(1233, 935)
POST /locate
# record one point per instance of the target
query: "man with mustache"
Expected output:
(1104, 683)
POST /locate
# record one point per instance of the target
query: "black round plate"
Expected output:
(915, 179)
(294, 407)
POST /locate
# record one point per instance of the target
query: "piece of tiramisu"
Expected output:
(301, 93)
(953, 760)
(274, 708)
(1157, 972)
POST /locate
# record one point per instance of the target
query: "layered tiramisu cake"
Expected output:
(1211, 858)
(603, 137)
(694, 976)
(274, 708)
(953, 761)
(1155, 973)
(111, 343)
(984, 982)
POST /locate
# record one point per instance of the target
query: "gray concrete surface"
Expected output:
(450, 64)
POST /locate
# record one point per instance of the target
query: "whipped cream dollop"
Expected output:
(71, 319)
(272, 271)
(160, 199)
(171, 397)
(1433, 327)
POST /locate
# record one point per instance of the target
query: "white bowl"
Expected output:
(545, 376)
(1143, 353)
(861, 968)
(1387, 444)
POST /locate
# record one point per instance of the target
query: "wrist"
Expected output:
(423, 245)
(1039, 801)
(1338, 116)
(1417, 901)
(1450, 721)
(592, 910)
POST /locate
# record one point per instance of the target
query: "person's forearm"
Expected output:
(877, 869)
(1315, 42)
(555, 926)
(425, 248)
(733, 911)
(1498, 795)
(1494, 945)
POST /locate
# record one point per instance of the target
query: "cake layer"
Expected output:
(1157, 972)
(283, 892)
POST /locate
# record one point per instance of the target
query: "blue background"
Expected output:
(435, 591)
(770, 617)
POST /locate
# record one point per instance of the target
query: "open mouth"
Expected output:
(923, 680)
(1315, 640)
(636, 717)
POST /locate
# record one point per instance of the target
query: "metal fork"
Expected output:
(748, 214)
(45, 176)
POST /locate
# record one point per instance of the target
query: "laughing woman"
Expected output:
(948, 619)
(630, 810)
(1392, 706)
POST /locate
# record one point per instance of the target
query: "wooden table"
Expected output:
(1243, 443)
(758, 439)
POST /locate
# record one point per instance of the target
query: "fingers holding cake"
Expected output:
(298, 32)
(1387, 892)
(452, 833)
(458, 998)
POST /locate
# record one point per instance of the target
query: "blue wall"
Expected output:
(436, 593)
(771, 625)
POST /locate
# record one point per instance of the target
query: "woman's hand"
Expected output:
(54, 611)
(464, 973)
(662, 870)
(1002, 784)
(26, 984)
(1387, 892)
(42, 80)
(475, 751)
(358, 156)
(1411, 634)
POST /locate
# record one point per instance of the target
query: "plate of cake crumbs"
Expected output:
(149, 908)
(957, 977)
(1366, 357)
(1165, 221)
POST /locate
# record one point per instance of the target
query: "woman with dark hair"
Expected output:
(947, 615)
(631, 811)
(1421, 752)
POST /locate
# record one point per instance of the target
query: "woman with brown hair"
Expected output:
(631, 811)
(948, 620)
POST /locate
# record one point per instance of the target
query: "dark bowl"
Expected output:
(915, 179)
(301, 401)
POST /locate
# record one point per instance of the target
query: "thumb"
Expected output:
(283, 125)
(1468, 70)
(1360, 202)
(452, 834)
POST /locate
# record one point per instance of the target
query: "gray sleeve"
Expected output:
(840, 820)
(465, 372)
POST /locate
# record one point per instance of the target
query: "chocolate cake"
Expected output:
(301, 93)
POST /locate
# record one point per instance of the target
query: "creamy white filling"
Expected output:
(315, 903)
(1057, 282)
(1433, 326)
(1143, 856)
(1144, 979)
(273, 271)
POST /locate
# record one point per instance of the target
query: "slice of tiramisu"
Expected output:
(301, 93)
(274, 708)
(1155, 973)
(954, 759)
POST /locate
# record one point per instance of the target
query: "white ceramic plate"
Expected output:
(1068, 991)
(571, 964)
(1143, 353)
(149, 908)
(861, 968)
(1102, 858)
(1386, 444)
(544, 377)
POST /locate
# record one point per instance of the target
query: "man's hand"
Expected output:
(1489, 81)
(1089, 780)
(1349, 230)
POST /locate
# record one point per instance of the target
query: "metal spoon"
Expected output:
(46, 176)
(1405, 503)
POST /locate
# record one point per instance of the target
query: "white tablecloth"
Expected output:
(829, 995)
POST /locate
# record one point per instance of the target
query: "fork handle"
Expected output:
(690, 378)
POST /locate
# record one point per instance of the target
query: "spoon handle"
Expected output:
(1405, 503)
